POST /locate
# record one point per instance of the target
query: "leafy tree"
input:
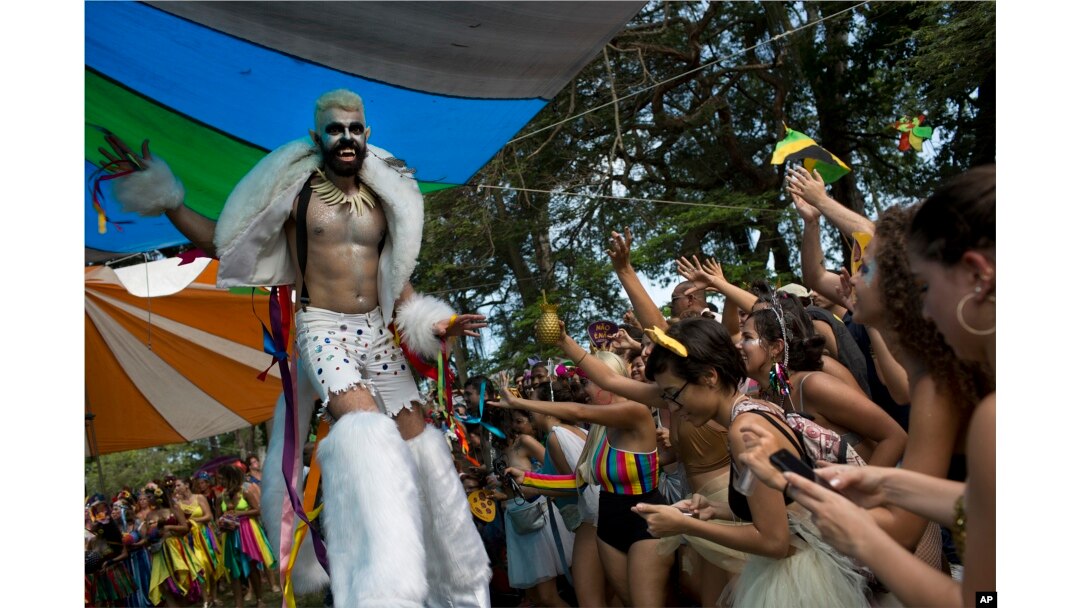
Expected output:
(686, 104)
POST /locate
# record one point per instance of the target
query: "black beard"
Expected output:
(343, 168)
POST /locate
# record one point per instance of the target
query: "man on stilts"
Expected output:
(343, 225)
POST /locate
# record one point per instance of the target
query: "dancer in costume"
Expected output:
(201, 540)
(172, 576)
(247, 550)
(341, 222)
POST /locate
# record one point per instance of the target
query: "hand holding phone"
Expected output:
(787, 462)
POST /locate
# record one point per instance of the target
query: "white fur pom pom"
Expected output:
(414, 320)
(151, 191)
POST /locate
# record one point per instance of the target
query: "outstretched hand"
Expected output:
(459, 325)
(502, 381)
(623, 340)
(620, 250)
(810, 187)
(122, 158)
(695, 272)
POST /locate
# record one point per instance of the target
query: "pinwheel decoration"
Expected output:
(799, 147)
(913, 132)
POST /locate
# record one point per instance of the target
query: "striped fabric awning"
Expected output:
(173, 368)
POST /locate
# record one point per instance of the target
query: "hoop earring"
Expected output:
(964, 324)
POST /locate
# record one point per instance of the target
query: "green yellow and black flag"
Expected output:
(799, 147)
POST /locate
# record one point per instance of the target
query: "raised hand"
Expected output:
(715, 269)
(810, 187)
(623, 340)
(620, 250)
(629, 318)
(806, 211)
(122, 158)
(845, 290)
(694, 272)
(502, 381)
(458, 325)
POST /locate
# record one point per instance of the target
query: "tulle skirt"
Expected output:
(817, 575)
(247, 548)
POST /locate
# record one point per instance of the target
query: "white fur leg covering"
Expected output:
(151, 191)
(457, 567)
(415, 318)
(371, 515)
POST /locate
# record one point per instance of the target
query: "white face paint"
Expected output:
(342, 138)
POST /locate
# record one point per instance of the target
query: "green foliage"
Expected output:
(134, 468)
(696, 122)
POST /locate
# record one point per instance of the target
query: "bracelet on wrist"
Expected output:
(583, 355)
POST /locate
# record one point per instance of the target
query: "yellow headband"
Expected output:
(658, 336)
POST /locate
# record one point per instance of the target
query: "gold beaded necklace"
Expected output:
(332, 195)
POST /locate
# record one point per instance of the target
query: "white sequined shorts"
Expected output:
(340, 352)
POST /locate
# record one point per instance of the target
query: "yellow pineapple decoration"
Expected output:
(548, 331)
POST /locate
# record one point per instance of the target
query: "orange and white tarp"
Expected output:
(172, 368)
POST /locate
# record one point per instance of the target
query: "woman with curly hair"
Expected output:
(951, 253)
(247, 549)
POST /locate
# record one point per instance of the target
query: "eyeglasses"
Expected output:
(674, 397)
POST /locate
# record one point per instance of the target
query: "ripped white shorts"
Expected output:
(341, 352)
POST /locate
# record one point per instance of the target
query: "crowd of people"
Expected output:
(180, 541)
(828, 443)
(822, 444)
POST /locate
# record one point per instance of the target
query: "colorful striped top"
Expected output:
(622, 472)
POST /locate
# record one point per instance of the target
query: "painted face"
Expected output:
(686, 399)
(754, 350)
(868, 304)
(342, 140)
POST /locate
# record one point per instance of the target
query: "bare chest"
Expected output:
(332, 225)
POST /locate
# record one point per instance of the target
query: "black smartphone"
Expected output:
(788, 462)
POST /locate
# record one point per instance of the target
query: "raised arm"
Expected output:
(605, 378)
(711, 274)
(812, 189)
(815, 277)
(153, 188)
(621, 414)
(644, 308)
